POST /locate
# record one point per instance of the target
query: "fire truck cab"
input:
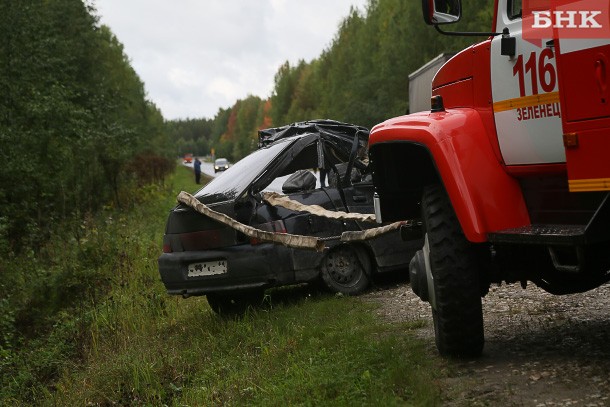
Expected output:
(508, 171)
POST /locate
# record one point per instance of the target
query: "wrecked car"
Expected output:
(202, 256)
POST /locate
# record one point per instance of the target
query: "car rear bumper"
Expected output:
(248, 267)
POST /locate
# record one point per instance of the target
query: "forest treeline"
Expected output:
(75, 124)
(78, 133)
(360, 78)
(78, 139)
(80, 143)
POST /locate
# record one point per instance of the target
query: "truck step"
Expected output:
(541, 234)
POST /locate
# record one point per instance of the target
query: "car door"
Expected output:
(359, 197)
(304, 223)
(551, 100)
(525, 94)
(584, 79)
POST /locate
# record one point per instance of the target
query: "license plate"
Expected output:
(207, 268)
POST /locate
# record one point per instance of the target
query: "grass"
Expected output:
(293, 355)
(112, 336)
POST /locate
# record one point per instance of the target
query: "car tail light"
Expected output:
(167, 244)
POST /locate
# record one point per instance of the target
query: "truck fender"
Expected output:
(409, 152)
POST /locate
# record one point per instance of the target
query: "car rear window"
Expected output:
(234, 181)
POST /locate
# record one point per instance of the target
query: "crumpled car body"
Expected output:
(204, 257)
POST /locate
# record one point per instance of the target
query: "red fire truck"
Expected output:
(509, 171)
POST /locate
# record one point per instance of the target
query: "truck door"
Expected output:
(525, 94)
(584, 83)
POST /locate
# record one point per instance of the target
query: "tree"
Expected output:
(362, 77)
(73, 114)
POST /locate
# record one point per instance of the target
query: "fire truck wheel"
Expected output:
(456, 301)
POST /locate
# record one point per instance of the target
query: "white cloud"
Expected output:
(196, 56)
(224, 88)
(181, 78)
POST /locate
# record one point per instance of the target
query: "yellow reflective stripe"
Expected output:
(596, 184)
(526, 101)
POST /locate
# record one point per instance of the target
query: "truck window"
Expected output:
(514, 9)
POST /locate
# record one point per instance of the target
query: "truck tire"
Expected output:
(455, 270)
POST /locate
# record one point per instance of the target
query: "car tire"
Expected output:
(457, 311)
(346, 270)
(234, 303)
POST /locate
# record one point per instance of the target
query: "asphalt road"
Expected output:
(206, 168)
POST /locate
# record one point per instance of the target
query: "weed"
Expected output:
(95, 327)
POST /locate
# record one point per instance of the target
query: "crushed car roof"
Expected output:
(330, 130)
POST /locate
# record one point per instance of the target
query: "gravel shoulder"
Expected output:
(540, 349)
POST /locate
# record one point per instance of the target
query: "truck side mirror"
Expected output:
(441, 11)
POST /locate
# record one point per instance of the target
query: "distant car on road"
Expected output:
(205, 257)
(188, 158)
(221, 164)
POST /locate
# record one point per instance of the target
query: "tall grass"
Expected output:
(106, 333)
(322, 350)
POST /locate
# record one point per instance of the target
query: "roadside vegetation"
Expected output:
(88, 177)
(76, 130)
(95, 327)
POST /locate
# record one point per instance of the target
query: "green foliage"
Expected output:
(84, 318)
(291, 355)
(51, 301)
(236, 129)
(285, 87)
(191, 136)
(232, 133)
(89, 323)
(73, 114)
(363, 76)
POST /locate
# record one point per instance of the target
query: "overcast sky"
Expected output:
(196, 56)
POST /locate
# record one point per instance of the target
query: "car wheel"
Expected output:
(345, 270)
(455, 272)
(235, 302)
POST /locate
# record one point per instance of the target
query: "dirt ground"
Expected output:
(540, 349)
